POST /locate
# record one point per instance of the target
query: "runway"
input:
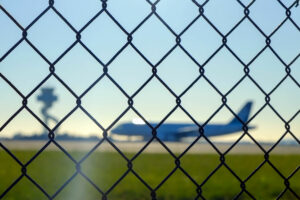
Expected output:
(154, 147)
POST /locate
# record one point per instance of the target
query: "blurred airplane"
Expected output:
(177, 131)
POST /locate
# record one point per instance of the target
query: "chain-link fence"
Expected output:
(155, 75)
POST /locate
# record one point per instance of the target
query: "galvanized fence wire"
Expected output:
(177, 98)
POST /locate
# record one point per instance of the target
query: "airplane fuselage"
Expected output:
(174, 131)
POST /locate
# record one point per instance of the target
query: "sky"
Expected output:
(25, 68)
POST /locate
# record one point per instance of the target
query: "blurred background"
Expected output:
(78, 69)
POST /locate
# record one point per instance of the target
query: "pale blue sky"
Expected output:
(25, 68)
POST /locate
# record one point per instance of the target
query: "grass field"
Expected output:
(52, 168)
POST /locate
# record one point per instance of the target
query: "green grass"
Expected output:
(52, 168)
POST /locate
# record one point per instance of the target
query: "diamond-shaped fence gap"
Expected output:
(79, 188)
(244, 148)
(8, 109)
(248, 46)
(43, 37)
(268, 128)
(178, 71)
(79, 124)
(270, 183)
(222, 119)
(81, 130)
(177, 14)
(245, 92)
(25, 12)
(178, 127)
(105, 102)
(127, 189)
(222, 116)
(46, 169)
(23, 125)
(10, 170)
(201, 100)
(267, 70)
(153, 168)
(215, 188)
(285, 99)
(154, 102)
(78, 69)
(104, 167)
(285, 42)
(223, 14)
(131, 73)
(219, 70)
(71, 9)
(200, 161)
(207, 40)
(286, 165)
(134, 140)
(267, 21)
(129, 13)
(9, 35)
(25, 189)
(178, 186)
(153, 35)
(24, 68)
(64, 103)
(103, 37)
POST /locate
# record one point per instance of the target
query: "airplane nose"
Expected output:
(116, 130)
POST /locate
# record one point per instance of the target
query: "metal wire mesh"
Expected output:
(131, 98)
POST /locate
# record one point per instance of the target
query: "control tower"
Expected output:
(47, 98)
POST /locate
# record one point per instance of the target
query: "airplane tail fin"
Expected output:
(243, 114)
